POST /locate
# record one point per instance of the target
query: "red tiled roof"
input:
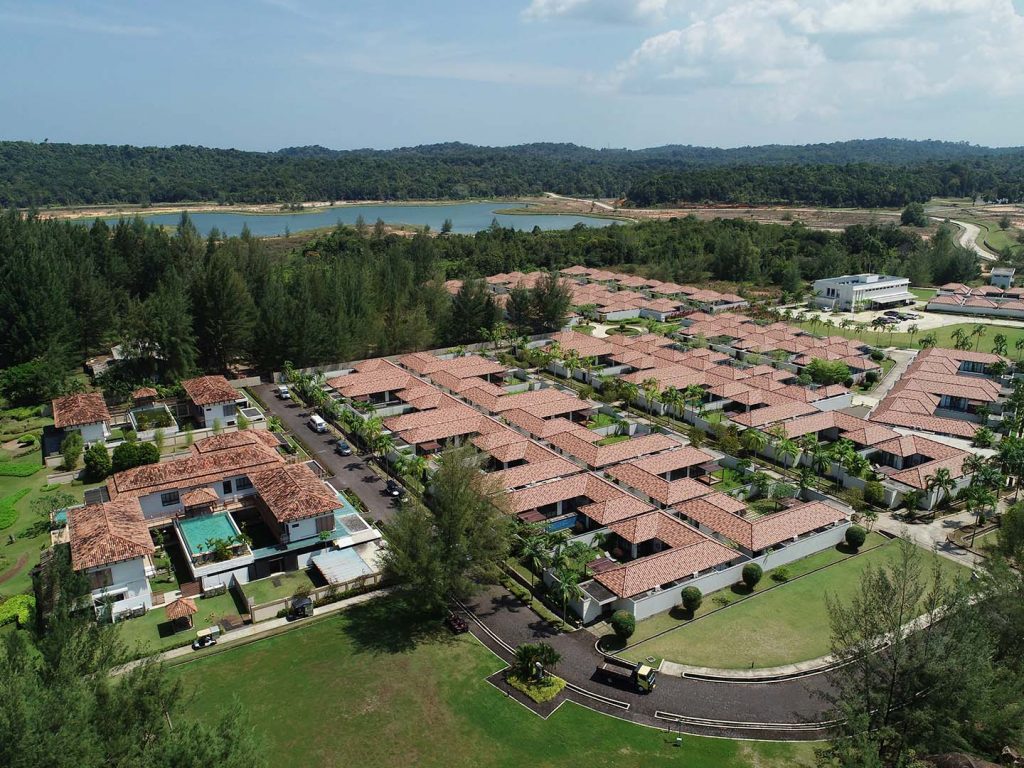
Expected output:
(144, 392)
(78, 409)
(181, 608)
(199, 497)
(671, 565)
(663, 491)
(767, 530)
(107, 533)
(595, 455)
(207, 390)
(918, 476)
(294, 492)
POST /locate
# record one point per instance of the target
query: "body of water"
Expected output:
(466, 218)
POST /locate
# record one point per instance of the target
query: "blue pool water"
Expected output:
(198, 530)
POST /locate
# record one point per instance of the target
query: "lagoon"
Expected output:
(466, 218)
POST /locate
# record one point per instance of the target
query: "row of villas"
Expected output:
(238, 511)
(614, 297)
(998, 299)
(619, 482)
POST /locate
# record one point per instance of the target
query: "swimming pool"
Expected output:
(197, 531)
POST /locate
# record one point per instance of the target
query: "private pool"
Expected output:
(197, 531)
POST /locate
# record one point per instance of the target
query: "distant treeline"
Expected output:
(875, 172)
(190, 303)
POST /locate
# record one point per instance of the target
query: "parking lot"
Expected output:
(926, 322)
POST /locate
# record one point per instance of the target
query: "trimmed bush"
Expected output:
(19, 468)
(780, 575)
(623, 623)
(877, 355)
(855, 536)
(540, 692)
(128, 455)
(18, 608)
(692, 597)
(871, 377)
(752, 573)
(874, 493)
(97, 462)
(71, 450)
(8, 512)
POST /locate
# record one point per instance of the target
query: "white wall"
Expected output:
(226, 413)
(129, 575)
(93, 433)
(152, 508)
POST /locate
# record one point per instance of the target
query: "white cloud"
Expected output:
(610, 11)
(791, 58)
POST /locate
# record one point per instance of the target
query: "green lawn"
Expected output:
(782, 626)
(277, 586)
(924, 294)
(612, 439)
(943, 335)
(152, 632)
(29, 531)
(599, 420)
(357, 688)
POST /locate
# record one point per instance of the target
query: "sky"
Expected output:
(266, 74)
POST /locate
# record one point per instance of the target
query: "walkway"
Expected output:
(352, 472)
(902, 359)
(933, 535)
(764, 710)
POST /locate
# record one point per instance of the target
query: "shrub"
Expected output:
(871, 377)
(623, 623)
(18, 608)
(848, 382)
(874, 493)
(542, 691)
(752, 573)
(97, 463)
(877, 355)
(71, 450)
(128, 455)
(19, 468)
(8, 512)
(692, 597)
(780, 575)
(855, 536)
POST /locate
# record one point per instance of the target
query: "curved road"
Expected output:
(776, 710)
(969, 238)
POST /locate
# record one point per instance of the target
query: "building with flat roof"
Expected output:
(1002, 277)
(850, 292)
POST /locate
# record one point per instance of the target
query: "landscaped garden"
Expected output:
(397, 693)
(153, 632)
(277, 586)
(778, 622)
(728, 479)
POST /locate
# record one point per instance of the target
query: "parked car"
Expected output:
(283, 393)
(393, 489)
(301, 608)
(342, 448)
(204, 641)
(317, 424)
(456, 623)
(891, 313)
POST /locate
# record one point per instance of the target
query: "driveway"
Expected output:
(350, 472)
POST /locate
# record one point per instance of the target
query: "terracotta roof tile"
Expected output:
(78, 409)
(108, 533)
(294, 492)
(207, 390)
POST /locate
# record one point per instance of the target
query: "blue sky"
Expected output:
(348, 73)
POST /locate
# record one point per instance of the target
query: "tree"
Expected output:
(752, 573)
(97, 462)
(983, 438)
(788, 450)
(135, 454)
(941, 484)
(532, 660)
(163, 324)
(913, 216)
(754, 440)
(71, 449)
(999, 344)
(552, 299)
(827, 372)
(691, 598)
(623, 623)
(536, 555)
(855, 536)
(978, 332)
(459, 541)
(1005, 222)
(933, 690)
(566, 587)
(225, 315)
(64, 704)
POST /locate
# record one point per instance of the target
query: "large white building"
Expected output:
(851, 292)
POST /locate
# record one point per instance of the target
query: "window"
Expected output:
(169, 498)
(100, 579)
(229, 409)
(227, 487)
(325, 523)
(243, 484)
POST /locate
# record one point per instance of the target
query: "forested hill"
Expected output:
(857, 173)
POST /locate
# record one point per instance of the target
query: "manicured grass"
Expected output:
(152, 632)
(943, 335)
(612, 439)
(924, 294)
(599, 420)
(728, 479)
(30, 532)
(277, 586)
(783, 626)
(371, 686)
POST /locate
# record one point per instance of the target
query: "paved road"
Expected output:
(787, 702)
(349, 471)
(969, 239)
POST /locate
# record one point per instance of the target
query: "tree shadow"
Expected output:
(391, 625)
(739, 588)
(611, 643)
(678, 613)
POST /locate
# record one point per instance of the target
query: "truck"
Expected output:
(634, 676)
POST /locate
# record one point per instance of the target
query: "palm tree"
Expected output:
(672, 397)
(650, 387)
(978, 332)
(912, 330)
(787, 449)
(1019, 346)
(999, 344)
(564, 588)
(979, 500)
(972, 464)
(754, 440)
(694, 397)
(961, 337)
(536, 556)
(912, 500)
(928, 341)
(821, 461)
(942, 484)
(630, 392)
(878, 324)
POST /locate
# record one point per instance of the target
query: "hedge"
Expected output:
(19, 468)
(8, 512)
(18, 608)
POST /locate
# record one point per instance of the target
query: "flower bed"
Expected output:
(540, 691)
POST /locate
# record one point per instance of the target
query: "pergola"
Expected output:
(180, 611)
